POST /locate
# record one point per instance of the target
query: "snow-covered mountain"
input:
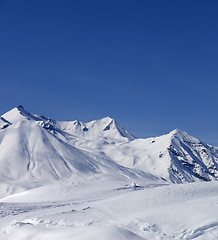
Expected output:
(106, 128)
(97, 181)
(177, 157)
(36, 150)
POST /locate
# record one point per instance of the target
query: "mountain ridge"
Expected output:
(38, 150)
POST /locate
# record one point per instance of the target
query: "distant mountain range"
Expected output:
(36, 150)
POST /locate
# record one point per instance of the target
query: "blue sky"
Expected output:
(151, 65)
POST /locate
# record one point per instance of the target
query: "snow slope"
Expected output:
(105, 209)
(32, 154)
(177, 157)
(106, 128)
(96, 181)
(35, 150)
(19, 114)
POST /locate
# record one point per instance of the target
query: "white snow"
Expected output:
(106, 128)
(107, 209)
(177, 157)
(85, 181)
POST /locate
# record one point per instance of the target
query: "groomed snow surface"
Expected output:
(96, 181)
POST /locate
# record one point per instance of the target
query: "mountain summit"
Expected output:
(35, 150)
(19, 114)
(177, 157)
(105, 127)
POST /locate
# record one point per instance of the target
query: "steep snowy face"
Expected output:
(177, 157)
(28, 151)
(19, 114)
(191, 159)
(34, 151)
(106, 128)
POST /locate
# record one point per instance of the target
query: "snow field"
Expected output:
(118, 211)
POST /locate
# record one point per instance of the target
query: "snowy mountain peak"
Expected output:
(183, 136)
(177, 157)
(19, 114)
(191, 158)
(179, 133)
(105, 128)
(36, 147)
(107, 119)
(176, 131)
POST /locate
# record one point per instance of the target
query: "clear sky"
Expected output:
(151, 65)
